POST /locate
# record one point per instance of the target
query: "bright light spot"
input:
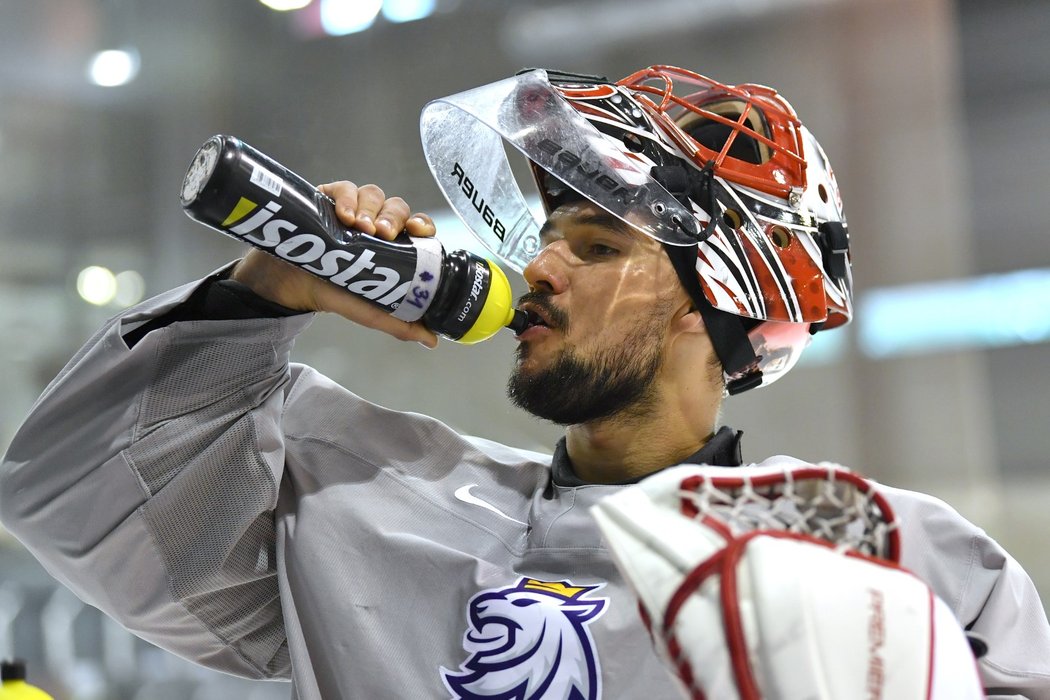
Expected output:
(339, 17)
(990, 311)
(407, 10)
(285, 5)
(114, 67)
(130, 288)
(96, 285)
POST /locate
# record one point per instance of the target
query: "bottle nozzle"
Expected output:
(519, 321)
(13, 670)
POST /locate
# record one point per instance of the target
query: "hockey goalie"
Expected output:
(779, 583)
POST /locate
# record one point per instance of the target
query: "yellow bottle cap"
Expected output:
(20, 690)
(497, 312)
(13, 684)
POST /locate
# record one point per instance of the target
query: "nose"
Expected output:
(547, 271)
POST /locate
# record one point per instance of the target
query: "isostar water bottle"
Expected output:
(233, 188)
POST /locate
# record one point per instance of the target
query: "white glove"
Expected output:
(739, 610)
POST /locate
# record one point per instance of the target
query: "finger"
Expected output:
(370, 200)
(344, 194)
(401, 330)
(420, 224)
(361, 312)
(380, 320)
(391, 219)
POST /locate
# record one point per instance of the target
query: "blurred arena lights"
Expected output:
(285, 5)
(96, 285)
(407, 10)
(979, 312)
(341, 17)
(130, 288)
(114, 67)
(323, 18)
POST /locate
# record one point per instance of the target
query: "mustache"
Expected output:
(542, 300)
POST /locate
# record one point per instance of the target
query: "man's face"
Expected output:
(606, 295)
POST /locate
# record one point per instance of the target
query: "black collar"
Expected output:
(722, 450)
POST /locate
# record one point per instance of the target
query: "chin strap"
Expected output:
(727, 331)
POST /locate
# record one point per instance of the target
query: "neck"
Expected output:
(628, 447)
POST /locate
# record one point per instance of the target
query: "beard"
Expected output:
(575, 389)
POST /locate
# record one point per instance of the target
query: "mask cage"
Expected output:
(762, 117)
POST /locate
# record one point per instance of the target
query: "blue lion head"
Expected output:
(529, 642)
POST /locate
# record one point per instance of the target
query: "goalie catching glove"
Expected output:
(760, 582)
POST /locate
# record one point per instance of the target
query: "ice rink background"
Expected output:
(931, 111)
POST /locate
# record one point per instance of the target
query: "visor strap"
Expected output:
(708, 198)
(686, 184)
(728, 335)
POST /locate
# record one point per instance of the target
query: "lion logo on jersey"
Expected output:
(529, 641)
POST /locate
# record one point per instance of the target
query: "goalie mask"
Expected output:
(726, 177)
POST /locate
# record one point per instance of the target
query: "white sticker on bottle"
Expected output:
(425, 281)
(267, 180)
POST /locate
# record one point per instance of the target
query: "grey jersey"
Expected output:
(255, 517)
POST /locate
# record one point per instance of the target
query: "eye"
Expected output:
(523, 603)
(600, 250)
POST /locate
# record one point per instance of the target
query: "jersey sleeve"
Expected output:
(987, 589)
(146, 476)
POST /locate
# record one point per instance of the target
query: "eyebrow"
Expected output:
(613, 224)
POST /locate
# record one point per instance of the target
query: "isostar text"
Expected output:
(356, 271)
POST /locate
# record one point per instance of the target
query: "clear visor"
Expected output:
(463, 138)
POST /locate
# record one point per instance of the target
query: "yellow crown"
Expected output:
(559, 588)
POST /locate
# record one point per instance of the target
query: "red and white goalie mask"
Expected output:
(727, 172)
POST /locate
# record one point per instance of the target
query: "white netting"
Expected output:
(829, 503)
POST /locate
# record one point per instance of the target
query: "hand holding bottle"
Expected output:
(368, 210)
(342, 238)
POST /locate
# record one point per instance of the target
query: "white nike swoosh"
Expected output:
(463, 493)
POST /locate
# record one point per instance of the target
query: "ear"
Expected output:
(688, 320)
